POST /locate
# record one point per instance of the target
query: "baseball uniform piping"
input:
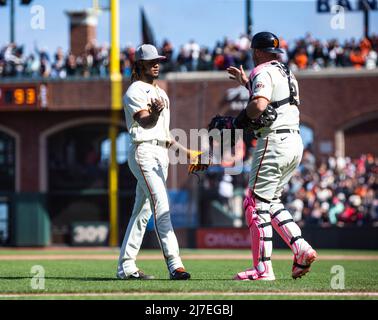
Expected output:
(154, 204)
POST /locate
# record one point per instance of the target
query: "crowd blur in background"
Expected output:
(336, 191)
(305, 53)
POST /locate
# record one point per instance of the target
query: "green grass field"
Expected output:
(81, 277)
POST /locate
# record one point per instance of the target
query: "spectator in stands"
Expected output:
(103, 58)
(204, 62)
(229, 57)
(45, 68)
(42, 53)
(192, 51)
(13, 62)
(219, 59)
(126, 68)
(167, 65)
(59, 67)
(335, 54)
(337, 207)
(284, 46)
(320, 55)
(184, 60)
(365, 46)
(371, 59)
(301, 59)
(71, 67)
(357, 58)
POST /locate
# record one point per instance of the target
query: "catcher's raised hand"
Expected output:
(238, 75)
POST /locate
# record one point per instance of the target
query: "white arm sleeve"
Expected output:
(262, 86)
(136, 100)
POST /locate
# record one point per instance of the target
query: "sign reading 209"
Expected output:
(89, 233)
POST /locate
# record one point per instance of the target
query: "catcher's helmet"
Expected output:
(266, 41)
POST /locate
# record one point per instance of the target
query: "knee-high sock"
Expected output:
(283, 223)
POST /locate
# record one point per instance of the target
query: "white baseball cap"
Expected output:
(147, 52)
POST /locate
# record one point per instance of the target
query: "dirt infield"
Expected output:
(185, 257)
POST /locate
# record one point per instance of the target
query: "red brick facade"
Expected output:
(83, 30)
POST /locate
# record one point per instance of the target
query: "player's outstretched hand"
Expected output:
(238, 75)
(156, 106)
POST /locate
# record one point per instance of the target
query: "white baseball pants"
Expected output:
(274, 161)
(149, 164)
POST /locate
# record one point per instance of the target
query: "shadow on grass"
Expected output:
(104, 279)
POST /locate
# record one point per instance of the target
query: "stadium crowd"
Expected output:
(338, 191)
(305, 53)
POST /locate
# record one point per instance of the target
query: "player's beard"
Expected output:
(150, 77)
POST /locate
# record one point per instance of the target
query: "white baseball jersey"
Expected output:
(270, 82)
(276, 156)
(137, 98)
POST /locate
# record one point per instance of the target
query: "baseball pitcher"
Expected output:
(147, 114)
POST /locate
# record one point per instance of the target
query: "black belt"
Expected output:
(286, 131)
(155, 142)
(279, 131)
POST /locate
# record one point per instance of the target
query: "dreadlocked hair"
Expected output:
(136, 73)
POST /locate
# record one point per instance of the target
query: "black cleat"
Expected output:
(139, 275)
(179, 274)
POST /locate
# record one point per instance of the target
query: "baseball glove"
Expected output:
(198, 161)
(243, 122)
(265, 120)
(221, 122)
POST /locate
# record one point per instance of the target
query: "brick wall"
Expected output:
(362, 138)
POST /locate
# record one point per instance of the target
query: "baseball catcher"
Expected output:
(272, 114)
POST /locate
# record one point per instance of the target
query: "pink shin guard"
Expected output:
(288, 230)
(256, 228)
(249, 206)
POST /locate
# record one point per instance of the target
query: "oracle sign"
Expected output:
(224, 238)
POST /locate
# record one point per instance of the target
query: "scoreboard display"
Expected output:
(22, 97)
